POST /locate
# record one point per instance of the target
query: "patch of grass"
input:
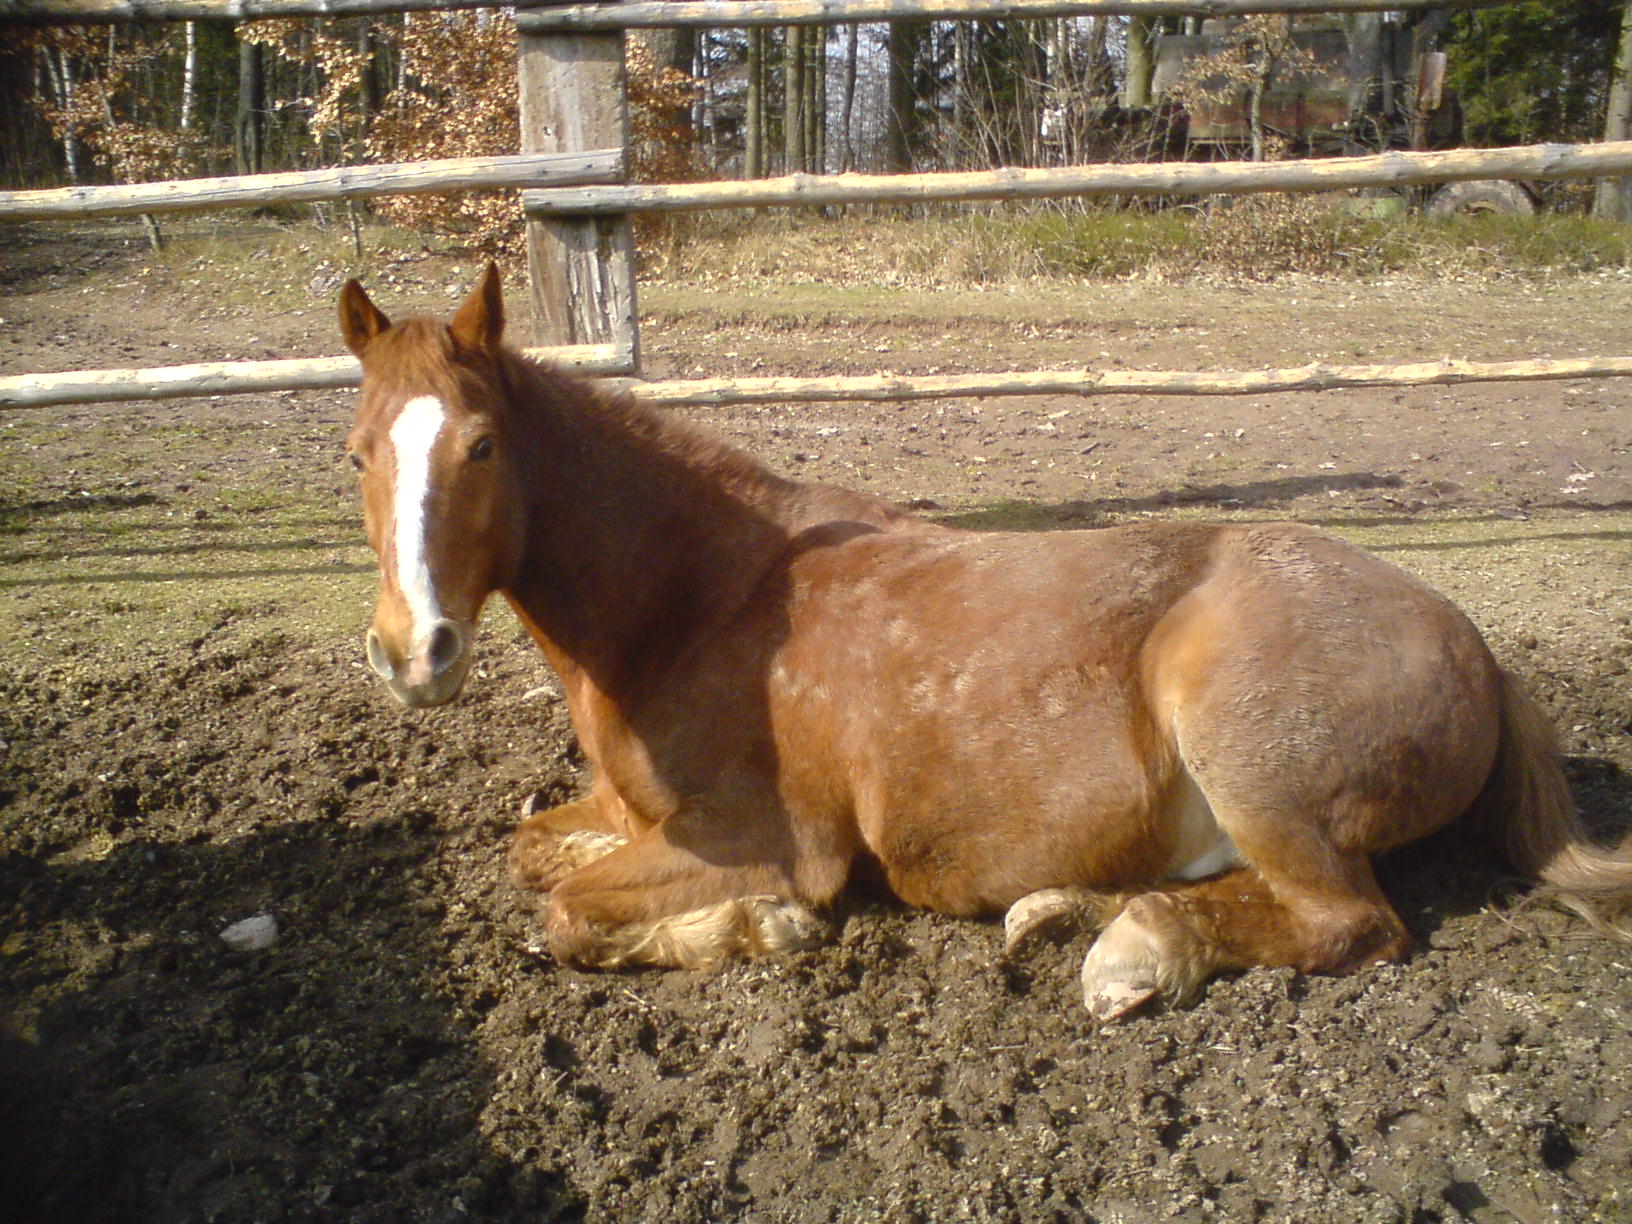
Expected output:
(230, 260)
(108, 560)
(1492, 243)
(1254, 237)
(1013, 514)
(249, 500)
(1105, 244)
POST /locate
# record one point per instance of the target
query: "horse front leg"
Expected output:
(677, 897)
(550, 844)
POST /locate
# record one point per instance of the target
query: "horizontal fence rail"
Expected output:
(226, 378)
(242, 377)
(1397, 169)
(686, 12)
(105, 12)
(344, 183)
(706, 13)
(1314, 377)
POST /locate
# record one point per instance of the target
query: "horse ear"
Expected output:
(478, 325)
(360, 319)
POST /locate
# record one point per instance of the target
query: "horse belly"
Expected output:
(973, 835)
(973, 785)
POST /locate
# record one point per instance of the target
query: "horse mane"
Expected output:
(539, 387)
(541, 390)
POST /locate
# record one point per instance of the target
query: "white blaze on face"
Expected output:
(413, 437)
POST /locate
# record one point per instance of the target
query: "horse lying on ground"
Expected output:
(1207, 731)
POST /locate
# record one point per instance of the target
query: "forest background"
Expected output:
(139, 103)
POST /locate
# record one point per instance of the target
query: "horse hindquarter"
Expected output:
(1329, 707)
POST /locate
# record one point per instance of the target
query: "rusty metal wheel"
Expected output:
(1481, 196)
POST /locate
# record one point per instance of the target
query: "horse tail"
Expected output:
(1530, 803)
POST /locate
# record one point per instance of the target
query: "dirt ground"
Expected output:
(189, 737)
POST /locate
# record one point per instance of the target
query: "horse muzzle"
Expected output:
(431, 671)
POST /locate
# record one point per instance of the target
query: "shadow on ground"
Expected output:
(171, 1078)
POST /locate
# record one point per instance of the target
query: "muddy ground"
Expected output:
(190, 738)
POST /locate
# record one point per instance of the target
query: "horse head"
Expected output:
(440, 497)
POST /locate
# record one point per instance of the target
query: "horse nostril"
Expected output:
(378, 659)
(445, 647)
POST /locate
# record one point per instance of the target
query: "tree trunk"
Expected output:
(753, 154)
(372, 91)
(793, 100)
(61, 70)
(674, 49)
(1614, 196)
(1136, 84)
(402, 60)
(686, 56)
(815, 98)
(189, 75)
(248, 146)
(1255, 110)
(1030, 92)
(901, 135)
(847, 153)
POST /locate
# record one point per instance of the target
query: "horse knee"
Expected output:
(549, 845)
(541, 858)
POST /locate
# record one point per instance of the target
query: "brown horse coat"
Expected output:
(778, 683)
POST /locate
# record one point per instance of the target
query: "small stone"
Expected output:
(255, 934)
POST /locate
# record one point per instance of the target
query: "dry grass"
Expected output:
(1247, 238)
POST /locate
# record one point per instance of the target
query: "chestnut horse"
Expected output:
(1205, 731)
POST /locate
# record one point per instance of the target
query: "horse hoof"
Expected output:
(1116, 1000)
(1123, 970)
(777, 926)
(1041, 911)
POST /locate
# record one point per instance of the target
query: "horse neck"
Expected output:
(640, 529)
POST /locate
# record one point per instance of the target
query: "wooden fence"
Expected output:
(1395, 169)
(345, 183)
(662, 13)
(573, 173)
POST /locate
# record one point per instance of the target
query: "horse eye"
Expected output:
(481, 449)
(356, 460)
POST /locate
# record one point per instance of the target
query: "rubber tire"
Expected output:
(1481, 196)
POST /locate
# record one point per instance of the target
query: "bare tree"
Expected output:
(753, 161)
(1136, 84)
(1270, 43)
(847, 151)
(249, 137)
(1614, 196)
(794, 62)
(906, 40)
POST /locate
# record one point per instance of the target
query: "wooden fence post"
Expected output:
(581, 269)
